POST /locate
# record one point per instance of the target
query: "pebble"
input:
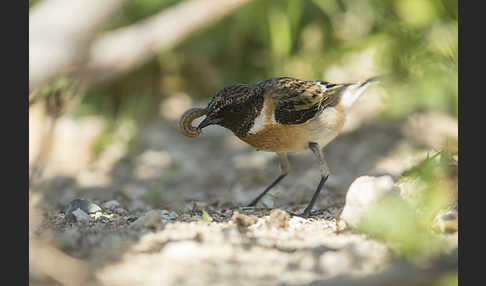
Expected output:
(243, 220)
(86, 206)
(151, 219)
(364, 193)
(168, 214)
(80, 215)
(278, 219)
(113, 204)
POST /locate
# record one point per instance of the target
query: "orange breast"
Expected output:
(276, 137)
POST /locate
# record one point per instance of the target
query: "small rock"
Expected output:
(243, 220)
(86, 206)
(168, 214)
(113, 204)
(80, 215)
(364, 193)
(278, 219)
(151, 219)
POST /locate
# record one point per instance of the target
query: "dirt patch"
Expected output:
(180, 220)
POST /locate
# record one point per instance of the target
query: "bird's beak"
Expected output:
(207, 121)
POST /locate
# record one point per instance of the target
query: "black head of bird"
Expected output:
(234, 107)
(282, 115)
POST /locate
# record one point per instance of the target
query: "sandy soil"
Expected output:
(179, 216)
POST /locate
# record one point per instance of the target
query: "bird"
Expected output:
(282, 115)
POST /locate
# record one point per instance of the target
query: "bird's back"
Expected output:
(294, 113)
(297, 101)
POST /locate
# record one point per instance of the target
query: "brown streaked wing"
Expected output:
(297, 101)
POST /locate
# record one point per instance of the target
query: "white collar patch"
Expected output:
(259, 122)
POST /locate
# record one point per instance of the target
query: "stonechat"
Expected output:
(281, 115)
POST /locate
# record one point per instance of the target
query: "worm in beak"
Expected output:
(185, 122)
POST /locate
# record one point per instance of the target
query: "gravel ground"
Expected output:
(172, 213)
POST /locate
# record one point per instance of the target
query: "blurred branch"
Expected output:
(63, 39)
(126, 48)
(61, 36)
(60, 33)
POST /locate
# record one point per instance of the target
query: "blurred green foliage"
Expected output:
(408, 225)
(415, 40)
(451, 279)
(205, 216)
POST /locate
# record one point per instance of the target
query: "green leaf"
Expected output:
(206, 217)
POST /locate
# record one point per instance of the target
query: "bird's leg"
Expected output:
(324, 174)
(285, 167)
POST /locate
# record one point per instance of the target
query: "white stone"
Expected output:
(364, 193)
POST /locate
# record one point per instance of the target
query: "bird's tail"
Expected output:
(354, 90)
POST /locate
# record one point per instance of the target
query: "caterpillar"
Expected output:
(185, 122)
